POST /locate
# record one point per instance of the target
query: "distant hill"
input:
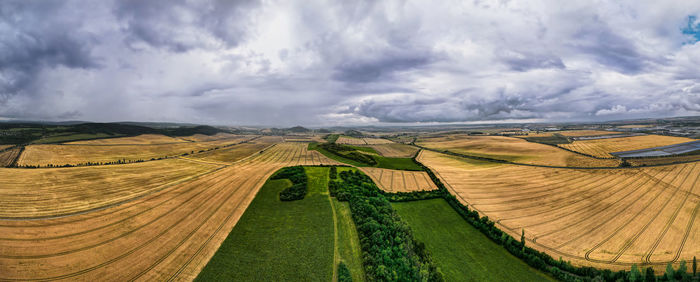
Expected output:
(23, 133)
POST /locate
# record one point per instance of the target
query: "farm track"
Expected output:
(598, 217)
(165, 235)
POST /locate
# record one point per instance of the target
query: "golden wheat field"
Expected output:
(511, 149)
(8, 156)
(395, 150)
(163, 233)
(350, 141)
(603, 147)
(610, 218)
(394, 181)
(143, 139)
(115, 149)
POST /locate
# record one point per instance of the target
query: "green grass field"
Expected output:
(460, 250)
(280, 241)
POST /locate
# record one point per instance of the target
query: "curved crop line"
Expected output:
(601, 224)
(617, 230)
(610, 186)
(669, 222)
(591, 181)
(154, 195)
(636, 236)
(126, 253)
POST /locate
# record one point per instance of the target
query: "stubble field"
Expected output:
(161, 234)
(609, 218)
(116, 149)
(603, 147)
(511, 149)
(394, 181)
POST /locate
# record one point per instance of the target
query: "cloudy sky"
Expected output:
(348, 62)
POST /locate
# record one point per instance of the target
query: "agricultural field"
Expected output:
(511, 149)
(395, 150)
(571, 133)
(7, 157)
(361, 141)
(603, 147)
(73, 154)
(394, 181)
(159, 234)
(350, 140)
(143, 139)
(376, 141)
(461, 250)
(607, 218)
(3, 147)
(298, 233)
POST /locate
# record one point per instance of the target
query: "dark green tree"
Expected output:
(650, 276)
(669, 272)
(635, 274)
(695, 266)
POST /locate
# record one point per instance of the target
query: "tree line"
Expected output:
(390, 252)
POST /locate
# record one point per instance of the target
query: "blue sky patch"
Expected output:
(692, 29)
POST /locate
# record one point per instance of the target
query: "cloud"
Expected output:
(349, 62)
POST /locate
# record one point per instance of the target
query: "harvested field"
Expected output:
(376, 141)
(511, 149)
(663, 160)
(166, 234)
(231, 154)
(3, 147)
(395, 150)
(350, 141)
(609, 218)
(571, 133)
(143, 139)
(393, 181)
(7, 157)
(218, 136)
(603, 147)
(83, 153)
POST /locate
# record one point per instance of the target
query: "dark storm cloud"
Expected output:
(182, 25)
(339, 62)
(34, 37)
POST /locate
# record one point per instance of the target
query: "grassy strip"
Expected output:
(348, 241)
(461, 251)
(279, 241)
(331, 138)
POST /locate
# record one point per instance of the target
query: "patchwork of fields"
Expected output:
(158, 234)
(511, 149)
(164, 219)
(610, 218)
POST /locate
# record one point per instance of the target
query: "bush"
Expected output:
(297, 175)
(296, 192)
(343, 273)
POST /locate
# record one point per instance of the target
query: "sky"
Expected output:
(321, 63)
